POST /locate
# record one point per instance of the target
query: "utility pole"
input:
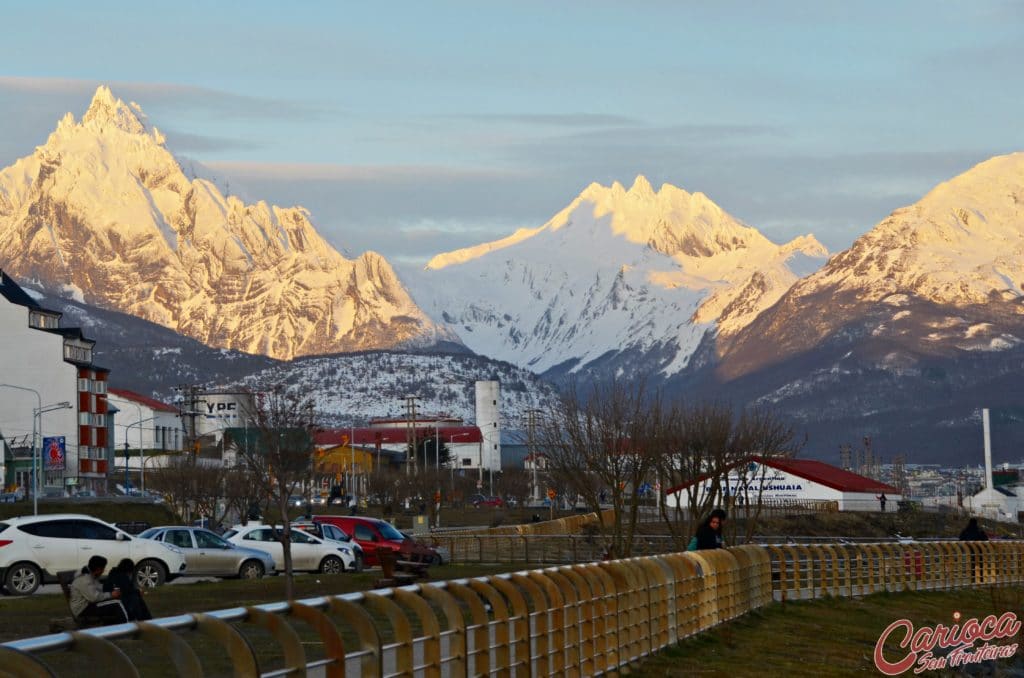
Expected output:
(845, 461)
(187, 408)
(410, 434)
(531, 427)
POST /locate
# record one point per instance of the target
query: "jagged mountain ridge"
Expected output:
(105, 213)
(618, 272)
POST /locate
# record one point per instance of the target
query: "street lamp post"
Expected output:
(35, 443)
(454, 459)
(142, 462)
(490, 466)
(352, 466)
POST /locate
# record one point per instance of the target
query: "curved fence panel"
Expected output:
(570, 619)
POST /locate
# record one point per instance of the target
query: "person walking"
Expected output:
(973, 532)
(709, 533)
(122, 577)
(88, 601)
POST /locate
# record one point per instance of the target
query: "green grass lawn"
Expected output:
(828, 637)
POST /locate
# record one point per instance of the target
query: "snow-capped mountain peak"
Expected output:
(616, 270)
(943, 275)
(106, 110)
(105, 213)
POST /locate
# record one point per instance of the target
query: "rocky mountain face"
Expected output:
(905, 335)
(104, 213)
(619, 278)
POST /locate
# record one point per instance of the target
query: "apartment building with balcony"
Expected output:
(52, 397)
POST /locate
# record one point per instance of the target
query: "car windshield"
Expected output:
(389, 532)
(209, 540)
(335, 533)
(150, 533)
(3, 526)
(229, 534)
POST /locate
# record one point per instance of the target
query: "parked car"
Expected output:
(479, 500)
(33, 549)
(330, 532)
(373, 533)
(210, 555)
(309, 553)
(441, 555)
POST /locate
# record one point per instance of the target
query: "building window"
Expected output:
(100, 420)
(43, 321)
(99, 387)
(84, 419)
(83, 385)
(467, 462)
(78, 354)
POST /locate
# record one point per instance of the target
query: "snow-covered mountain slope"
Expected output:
(151, 359)
(617, 271)
(105, 213)
(942, 276)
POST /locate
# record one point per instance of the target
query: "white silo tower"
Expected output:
(488, 420)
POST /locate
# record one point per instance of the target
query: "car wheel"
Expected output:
(435, 559)
(150, 573)
(332, 565)
(251, 569)
(358, 565)
(22, 579)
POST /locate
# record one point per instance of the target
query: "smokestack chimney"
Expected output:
(988, 449)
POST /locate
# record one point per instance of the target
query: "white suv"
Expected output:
(33, 549)
(309, 553)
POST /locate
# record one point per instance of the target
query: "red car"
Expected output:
(373, 533)
(479, 500)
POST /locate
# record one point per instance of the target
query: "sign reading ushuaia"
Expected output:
(957, 643)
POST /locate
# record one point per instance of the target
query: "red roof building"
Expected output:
(796, 480)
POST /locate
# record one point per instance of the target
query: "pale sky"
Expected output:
(413, 128)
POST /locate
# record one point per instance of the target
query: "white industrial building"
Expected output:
(216, 411)
(999, 503)
(488, 420)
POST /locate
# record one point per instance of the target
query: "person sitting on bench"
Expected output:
(89, 602)
(122, 576)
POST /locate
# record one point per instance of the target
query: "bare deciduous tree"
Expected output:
(699, 446)
(279, 458)
(515, 484)
(599, 451)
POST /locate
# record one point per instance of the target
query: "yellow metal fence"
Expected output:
(580, 619)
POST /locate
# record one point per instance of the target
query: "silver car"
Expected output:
(210, 555)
